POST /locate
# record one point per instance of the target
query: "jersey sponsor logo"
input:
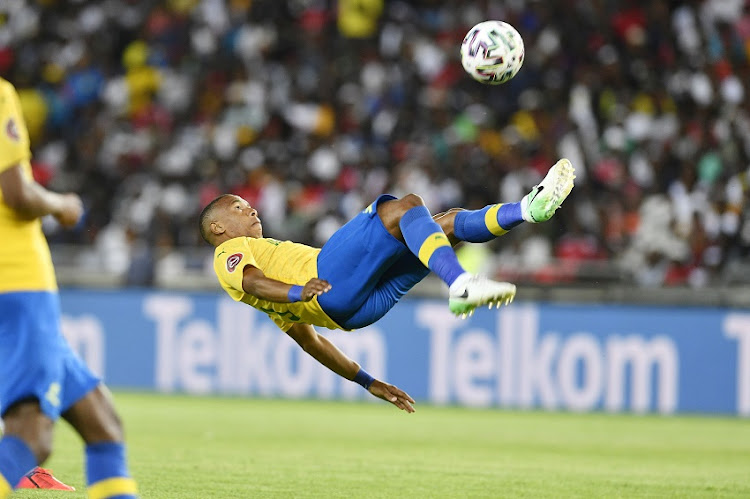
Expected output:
(233, 261)
(11, 130)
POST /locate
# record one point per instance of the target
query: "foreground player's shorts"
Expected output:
(35, 360)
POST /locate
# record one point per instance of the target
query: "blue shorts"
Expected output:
(369, 270)
(35, 360)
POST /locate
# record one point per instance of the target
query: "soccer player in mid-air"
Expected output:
(365, 268)
(41, 378)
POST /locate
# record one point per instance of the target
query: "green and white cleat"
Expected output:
(474, 291)
(545, 198)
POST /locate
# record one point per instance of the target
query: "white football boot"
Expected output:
(471, 291)
(545, 198)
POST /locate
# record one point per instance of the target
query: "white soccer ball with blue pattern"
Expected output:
(492, 52)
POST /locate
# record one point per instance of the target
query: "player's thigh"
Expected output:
(354, 259)
(393, 285)
(32, 351)
(94, 417)
(391, 211)
(37, 366)
(25, 420)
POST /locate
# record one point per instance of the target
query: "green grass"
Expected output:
(183, 447)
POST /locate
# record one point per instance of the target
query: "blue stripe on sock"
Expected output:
(509, 215)
(105, 460)
(16, 459)
(469, 226)
(445, 264)
(416, 226)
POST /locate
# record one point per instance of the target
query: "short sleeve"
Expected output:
(231, 258)
(14, 137)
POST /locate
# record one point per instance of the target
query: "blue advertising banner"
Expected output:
(528, 355)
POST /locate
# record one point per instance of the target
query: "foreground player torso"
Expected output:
(25, 262)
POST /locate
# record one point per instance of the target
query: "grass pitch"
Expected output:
(183, 447)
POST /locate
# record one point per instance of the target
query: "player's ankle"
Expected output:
(525, 208)
(460, 283)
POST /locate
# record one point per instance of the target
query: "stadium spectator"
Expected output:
(308, 109)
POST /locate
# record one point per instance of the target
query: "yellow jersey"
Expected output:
(25, 261)
(285, 261)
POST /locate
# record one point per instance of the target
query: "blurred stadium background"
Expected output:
(150, 109)
(311, 108)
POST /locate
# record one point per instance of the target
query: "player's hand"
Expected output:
(70, 210)
(392, 394)
(314, 287)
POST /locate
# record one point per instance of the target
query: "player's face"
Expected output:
(241, 219)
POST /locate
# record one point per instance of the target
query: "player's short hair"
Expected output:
(204, 221)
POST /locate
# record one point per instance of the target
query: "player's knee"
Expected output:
(411, 201)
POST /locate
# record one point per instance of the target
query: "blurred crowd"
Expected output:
(311, 108)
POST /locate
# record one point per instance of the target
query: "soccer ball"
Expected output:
(492, 52)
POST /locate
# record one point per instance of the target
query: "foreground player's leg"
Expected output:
(26, 443)
(16, 458)
(539, 205)
(42, 478)
(107, 472)
(95, 419)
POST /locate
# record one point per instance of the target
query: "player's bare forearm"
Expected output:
(255, 283)
(325, 352)
(322, 350)
(30, 200)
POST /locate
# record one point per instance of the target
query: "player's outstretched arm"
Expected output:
(255, 282)
(30, 200)
(334, 359)
(393, 394)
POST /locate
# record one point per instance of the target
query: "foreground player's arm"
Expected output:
(334, 359)
(255, 283)
(30, 200)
